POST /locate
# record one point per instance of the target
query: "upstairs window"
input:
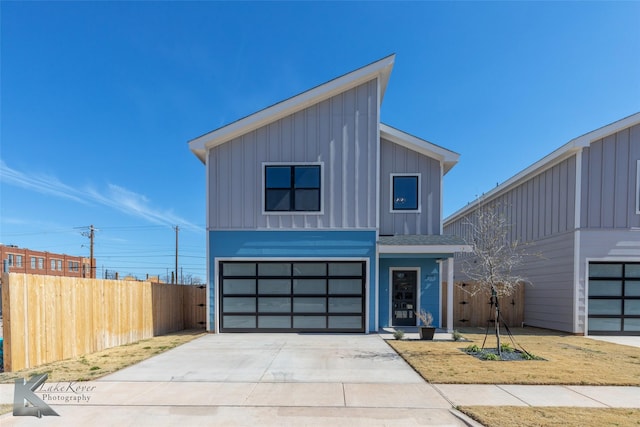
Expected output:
(405, 192)
(292, 188)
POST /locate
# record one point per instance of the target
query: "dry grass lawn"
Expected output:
(95, 365)
(505, 416)
(569, 360)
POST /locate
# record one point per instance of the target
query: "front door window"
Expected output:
(404, 287)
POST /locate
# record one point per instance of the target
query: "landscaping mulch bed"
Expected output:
(492, 355)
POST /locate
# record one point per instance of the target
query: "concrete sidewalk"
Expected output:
(289, 379)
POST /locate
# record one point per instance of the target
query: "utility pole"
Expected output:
(90, 234)
(176, 274)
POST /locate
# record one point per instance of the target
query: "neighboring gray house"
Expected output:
(580, 207)
(321, 218)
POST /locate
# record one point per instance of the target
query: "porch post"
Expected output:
(450, 295)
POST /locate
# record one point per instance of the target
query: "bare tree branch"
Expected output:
(494, 257)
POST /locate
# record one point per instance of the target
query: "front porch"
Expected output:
(410, 270)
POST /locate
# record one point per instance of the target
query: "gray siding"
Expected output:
(541, 206)
(397, 159)
(340, 132)
(609, 181)
(549, 296)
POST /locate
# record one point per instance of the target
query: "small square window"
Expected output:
(405, 192)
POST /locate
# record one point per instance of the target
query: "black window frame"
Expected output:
(417, 178)
(292, 188)
(624, 278)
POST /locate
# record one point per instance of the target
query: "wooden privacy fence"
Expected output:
(471, 311)
(50, 318)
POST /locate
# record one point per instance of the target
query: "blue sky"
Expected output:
(99, 99)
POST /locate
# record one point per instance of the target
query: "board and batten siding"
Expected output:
(397, 159)
(340, 132)
(609, 181)
(539, 207)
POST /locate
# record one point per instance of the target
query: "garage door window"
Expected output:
(614, 298)
(292, 296)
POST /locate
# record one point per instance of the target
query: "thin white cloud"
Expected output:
(115, 197)
(41, 183)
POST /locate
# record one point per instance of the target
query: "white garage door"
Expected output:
(292, 296)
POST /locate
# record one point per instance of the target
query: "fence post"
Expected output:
(6, 320)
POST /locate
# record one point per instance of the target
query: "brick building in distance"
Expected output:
(47, 263)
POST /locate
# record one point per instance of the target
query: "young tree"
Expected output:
(491, 266)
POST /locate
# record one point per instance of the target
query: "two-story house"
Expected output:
(579, 210)
(321, 218)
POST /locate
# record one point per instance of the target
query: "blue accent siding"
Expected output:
(429, 282)
(290, 245)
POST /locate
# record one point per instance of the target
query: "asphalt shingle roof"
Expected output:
(420, 240)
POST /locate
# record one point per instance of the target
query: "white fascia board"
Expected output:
(447, 157)
(423, 249)
(562, 153)
(380, 69)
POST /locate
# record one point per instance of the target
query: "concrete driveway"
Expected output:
(261, 379)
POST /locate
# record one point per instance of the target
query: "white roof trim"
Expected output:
(422, 249)
(447, 157)
(381, 68)
(548, 161)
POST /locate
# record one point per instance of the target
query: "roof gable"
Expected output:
(448, 158)
(380, 69)
(562, 153)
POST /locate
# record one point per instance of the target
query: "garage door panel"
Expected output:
(309, 286)
(239, 322)
(632, 325)
(614, 298)
(239, 304)
(274, 286)
(310, 322)
(274, 322)
(292, 296)
(239, 286)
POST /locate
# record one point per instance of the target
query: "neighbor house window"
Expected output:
(33, 263)
(40, 263)
(53, 264)
(59, 265)
(10, 257)
(405, 192)
(292, 188)
(18, 260)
